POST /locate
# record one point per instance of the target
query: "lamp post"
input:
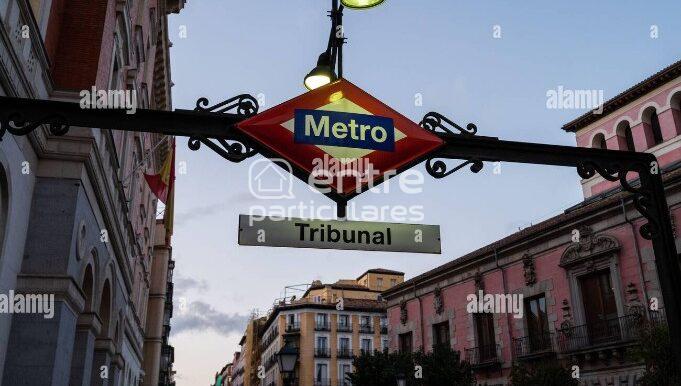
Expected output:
(401, 379)
(332, 59)
(288, 358)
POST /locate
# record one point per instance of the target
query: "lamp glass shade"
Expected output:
(314, 81)
(287, 358)
(361, 4)
(322, 74)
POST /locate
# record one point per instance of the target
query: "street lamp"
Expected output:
(322, 74)
(361, 4)
(401, 379)
(287, 358)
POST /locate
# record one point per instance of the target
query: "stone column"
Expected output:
(670, 123)
(87, 329)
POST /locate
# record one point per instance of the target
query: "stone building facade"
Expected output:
(587, 277)
(77, 219)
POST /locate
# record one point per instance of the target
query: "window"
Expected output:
(366, 346)
(624, 130)
(537, 323)
(343, 321)
(365, 321)
(441, 334)
(405, 342)
(344, 344)
(655, 127)
(600, 309)
(484, 329)
(322, 342)
(322, 320)
(598, 141)
(344, 371)
(379, 282)
(384, 345)
(322, 373)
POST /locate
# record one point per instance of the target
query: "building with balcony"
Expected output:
(329, 324)
(588, 280)
(77, 219)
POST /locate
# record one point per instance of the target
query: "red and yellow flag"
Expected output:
(162, 183)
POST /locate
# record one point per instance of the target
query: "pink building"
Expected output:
(585, 276)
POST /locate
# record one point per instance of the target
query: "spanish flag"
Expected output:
(163, 186)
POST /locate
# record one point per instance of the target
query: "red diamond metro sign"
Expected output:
(346, 139)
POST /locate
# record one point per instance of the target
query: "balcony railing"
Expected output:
(534, 344)
(322, 382)
(292, 327)
(366, 328)
(344, 353)
(483, 355)
(603, 332)
(322, 326)
(343, 328)
(365, 351)
(322, 352)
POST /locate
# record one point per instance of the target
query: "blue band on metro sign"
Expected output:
(332, 128)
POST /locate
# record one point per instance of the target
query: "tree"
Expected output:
(656, 352)
(543, 374)
(441, 367)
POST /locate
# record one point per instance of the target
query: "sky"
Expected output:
(491, 63)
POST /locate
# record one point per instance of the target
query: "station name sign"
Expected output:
(333, 234)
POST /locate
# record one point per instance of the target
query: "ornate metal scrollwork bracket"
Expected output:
(438, 123)
(240, 107)
(16, 124)
(642, 194)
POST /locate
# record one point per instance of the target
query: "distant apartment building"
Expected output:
(587, 278)
(77, 219)
(247, 361)
(329, 325)
(224, 376)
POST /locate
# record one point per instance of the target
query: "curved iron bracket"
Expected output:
(239, 107)
(17, 124)
(438, 123)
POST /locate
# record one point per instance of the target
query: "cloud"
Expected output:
(184, 284)
(198, 212)
(201, 316)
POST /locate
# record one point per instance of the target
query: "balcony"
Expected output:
(483, 356)
(322, 382)
(292, 328)
(609, 332)
(344, 353)
(366, 329)
(535, 345)
(344, 328)
(322, 352)
(322, 326)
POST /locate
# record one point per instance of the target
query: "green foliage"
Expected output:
(441, 367)
(543, 374)
(656, 352)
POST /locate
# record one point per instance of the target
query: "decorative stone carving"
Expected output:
(404, 314)
(438, 304)
(567, 323)
(589, 247)
(529, 271)
(479, 283)
(634, 305)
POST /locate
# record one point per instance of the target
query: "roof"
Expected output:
(339, 286)
(365, 305)
(604, 200)
(381, 270)
(658, 79)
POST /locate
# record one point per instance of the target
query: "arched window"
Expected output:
(624, 131)
(105, 309)
(650, 117)
(88, 285)
(598, 142)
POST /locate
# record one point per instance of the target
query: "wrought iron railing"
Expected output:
(322, 352)
(343, 327)
(322, 326)
(344, 353)
(322, 382)
(366, 328)
(481, 355)
(533, 344)
(293, 327)
(614, 330)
